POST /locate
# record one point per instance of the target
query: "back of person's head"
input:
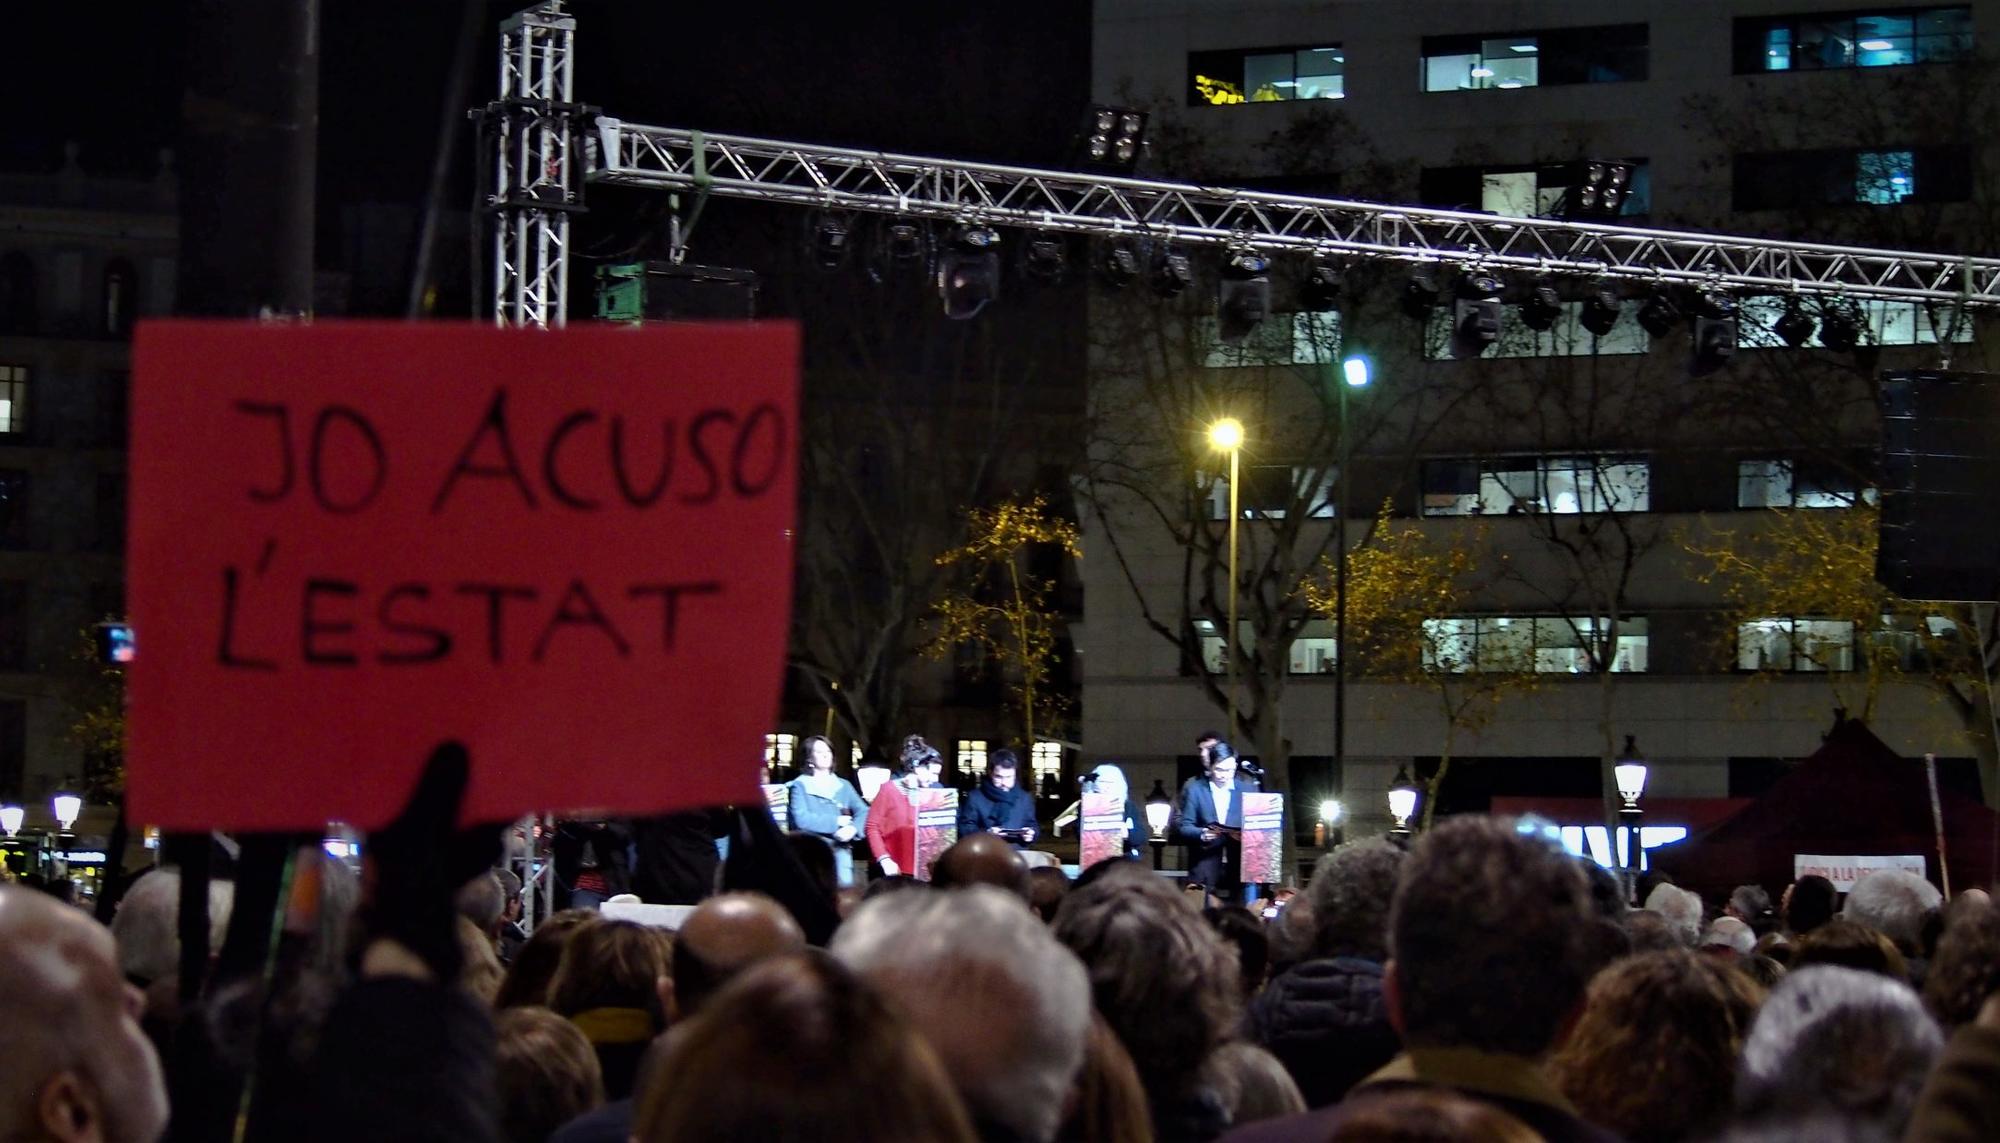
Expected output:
(1047, 886)
(612, 964)
(1835, 1039)
(1244, 931)
(1966, 969)
(1109, 1102)
(1648, 931)
(1851, 945)
(483, 972)
(723, 936)
(1002, 1003)
(1731, 933)
(1489, 932)
(510, 889)
(1251, 1083)
(1895, 903)
(1654, 1054)
(1607, 892)
(982, 858)
(482, 901)
(815, 856)
(147, 924)
(546, 1072)
(1165, 982)
(887, 886)
(1752, 904)
(1681, 908)
(1809, 904)
(800, 1048)
(1764, 970)
(527, 982)
(1350, 893)
(1426, 1115)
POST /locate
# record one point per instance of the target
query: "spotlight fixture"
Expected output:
(1245, 296)
(1475, 314)
(1112, 139)
(1118, 264)
(1714, 331)
(1598, 189)
(1420, 297)
(904, 242)
(1172, 273)
(968, 273)
(1542, 307)
(1321, 289)
(1794, 327)
(830, 243)
(1045, 259)
(1600, 311)
(1659, 315)
(1839, 326)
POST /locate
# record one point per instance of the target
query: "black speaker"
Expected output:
(1940, 471)
(664, 291)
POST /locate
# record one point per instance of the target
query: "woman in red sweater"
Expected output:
(892, 821)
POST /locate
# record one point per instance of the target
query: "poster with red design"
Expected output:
(937, 826)
(778, 795)
(1263, 838)
(1103, 833)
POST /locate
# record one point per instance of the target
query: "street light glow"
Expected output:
(1354, 371)
(1329, 811)
(1226, 434)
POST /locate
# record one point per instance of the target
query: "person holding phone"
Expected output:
(827, 806)
(999, 804)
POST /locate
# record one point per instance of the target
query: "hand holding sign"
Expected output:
(565, 549)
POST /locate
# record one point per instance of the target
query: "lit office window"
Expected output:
(1776, 483)
(1271, 491)
(1045, 759)
(1305, 338)
(1883, 322)
(972, 756)
(1785, 643)
(779, 749)
(1266, 75)
(1548, 645)
(1831, 40)
(1507, 60)
(1512, 486)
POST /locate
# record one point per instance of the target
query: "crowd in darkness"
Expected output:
(1478, 984)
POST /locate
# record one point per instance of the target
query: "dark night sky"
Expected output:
(1004, 80)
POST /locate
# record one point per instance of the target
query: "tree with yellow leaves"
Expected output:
(1403, 588)
(998, 606)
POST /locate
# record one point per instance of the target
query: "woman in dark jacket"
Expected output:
(999, 803)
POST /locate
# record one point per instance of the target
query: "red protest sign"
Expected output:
(569, 550)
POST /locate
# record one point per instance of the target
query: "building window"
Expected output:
(13, 625)
(1817, 42)
(16, 499)
(1273, 491)
(1507, 60)
(1521, 190)
(1915, 643)
(1512, 486)
(972, 757)
(1315, 650)
(779, 750)
(1266, 75)
(1788, 180)
(17, 294)
(1544, 645)
(1795, 644)
(13, 749)
(110, 516)
(1884, 322)
(1305, 338)
(1769, 483)
(121, 297)
(1045, 761)
(13, 400)
(1566, 338)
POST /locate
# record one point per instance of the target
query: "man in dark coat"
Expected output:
(999, 803)
(1211, 821)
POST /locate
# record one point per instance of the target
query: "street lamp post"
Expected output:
(1353, 375)
(1159, 808)
(1630, 774)
(1402, 804)
(1227, 435)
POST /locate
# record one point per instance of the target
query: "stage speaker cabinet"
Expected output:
(664, 291)
(1940, 474)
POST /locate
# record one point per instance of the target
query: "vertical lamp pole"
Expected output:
(1353, 375)
(1630, 774)
(1227, 435)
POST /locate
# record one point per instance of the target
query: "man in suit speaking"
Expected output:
(1211, 822)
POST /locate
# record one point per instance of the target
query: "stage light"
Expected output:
(830, 243)
(1659, 315)
(1112, 139)
(1321, 289)
(1420, 297)
(1794, 327)
(1118, 265)
(1543, 307)
(1045, 259)
(1600, 311)
(1714, 331)
(1245, 296)
(1172, 273)
(1598, 189)
(904, 242)
(1475, 314)
(1839, 326)
(969, 271)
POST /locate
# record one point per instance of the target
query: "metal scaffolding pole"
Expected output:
(534, 190)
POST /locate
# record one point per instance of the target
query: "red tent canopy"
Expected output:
(1854, 796)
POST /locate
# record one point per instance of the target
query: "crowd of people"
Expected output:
(1480, 983)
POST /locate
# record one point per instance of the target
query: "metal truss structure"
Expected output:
(534, 188)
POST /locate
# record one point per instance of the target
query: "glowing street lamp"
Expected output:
(11, 818)
(1630, 774)
(1329, 816)
(1227, 436)
(67, 808)
(1402, 802)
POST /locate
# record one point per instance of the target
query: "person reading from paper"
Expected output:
(999, 804)
(1211, 822)
(827, 806)
(892, 820)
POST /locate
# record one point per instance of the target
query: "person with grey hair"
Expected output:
(1324, 1019)
(1895, 903)
(147, 924)
(1751, 904)
(1841, 1040)
(1682, 910)
(1005, 1007)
